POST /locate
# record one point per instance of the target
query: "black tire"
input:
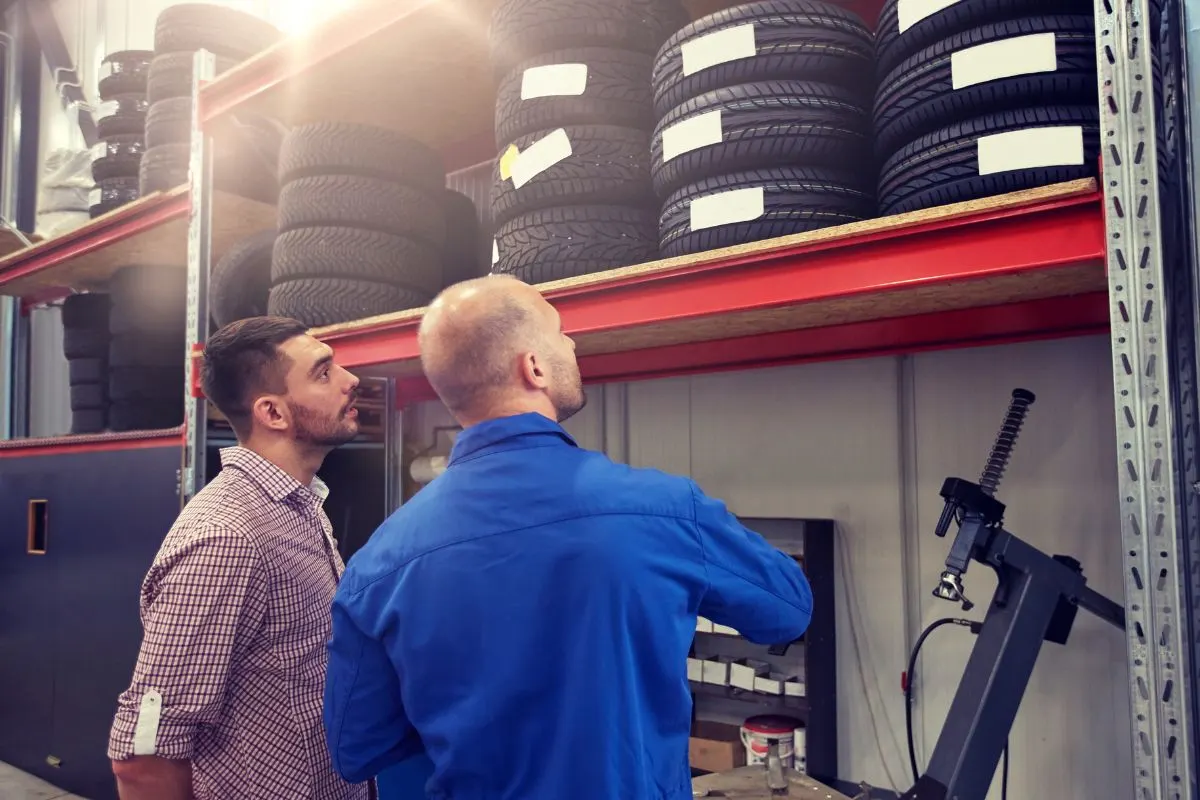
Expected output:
(89, 396)
(338, 148)
(892, 46)
(127, 75)
(794, 199)
(171, 75)
(222, 31)
(918, 96)
(556, 243)
(88, 420)
(522, 29)
(464, 256)
(617, 92)
(145, 416)
(143, 384)
(169, 122)
(803, 40)
(359, 255)
(116, 192)
(370, 203)
(607, 165)
(148, 299)
(943, 167)
(328, 301)
(88, 370)
(87, 311)
(163, 168)
(84, 343)
(776, 124)
(122, 166)
(121, 124)
(126, 145)
(139, 350)
(241, 279)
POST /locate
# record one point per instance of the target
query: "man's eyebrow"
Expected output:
(322, 362)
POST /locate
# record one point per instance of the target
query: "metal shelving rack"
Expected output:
(1139, 223)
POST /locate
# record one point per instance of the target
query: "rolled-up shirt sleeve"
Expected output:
(202, 603)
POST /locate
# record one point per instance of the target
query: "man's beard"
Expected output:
(321, 430)
(568, 400)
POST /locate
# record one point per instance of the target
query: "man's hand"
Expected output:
(153, 778)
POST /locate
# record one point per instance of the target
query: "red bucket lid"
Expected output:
(771, 724)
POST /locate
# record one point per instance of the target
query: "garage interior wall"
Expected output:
(868, 443)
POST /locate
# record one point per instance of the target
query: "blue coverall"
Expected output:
(525, 620)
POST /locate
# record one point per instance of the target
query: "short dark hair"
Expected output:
(242, 360)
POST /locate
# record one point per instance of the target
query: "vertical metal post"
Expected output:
(393, 444)
(200, 175)
(1153, 501)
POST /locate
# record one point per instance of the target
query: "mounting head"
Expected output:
(950, 588)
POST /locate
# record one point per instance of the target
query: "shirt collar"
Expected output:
(270, 478)
(508, 433)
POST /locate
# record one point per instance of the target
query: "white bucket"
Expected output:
(759, 732)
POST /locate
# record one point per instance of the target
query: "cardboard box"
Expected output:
(716, 747)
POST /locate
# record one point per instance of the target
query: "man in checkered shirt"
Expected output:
(226, 697)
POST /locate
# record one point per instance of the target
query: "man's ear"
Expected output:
(533, 372)
(271, 412)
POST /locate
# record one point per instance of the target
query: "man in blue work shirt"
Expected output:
(526, 618)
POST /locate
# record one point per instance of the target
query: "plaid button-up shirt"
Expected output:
(236, 616)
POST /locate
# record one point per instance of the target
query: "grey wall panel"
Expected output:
(1071, 737)
(822, 442)
(49, 380)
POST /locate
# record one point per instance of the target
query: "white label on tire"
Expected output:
(495, 252)
(94, 196)
(718, 48)
(701, 130)
(540, 156)
(910, 12)
(99, 150)
(554, 80)
(727, 208)
(1020, 55)
(1031, 148)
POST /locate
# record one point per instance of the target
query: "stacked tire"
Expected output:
(85, 320)
(244, 158)
(982, 98)
(571, 188)
(117, 157)
(147, 347)
(763, 125)
(361, 224)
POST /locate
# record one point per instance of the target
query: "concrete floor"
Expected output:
(17, 785)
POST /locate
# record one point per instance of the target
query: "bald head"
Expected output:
(476, 338)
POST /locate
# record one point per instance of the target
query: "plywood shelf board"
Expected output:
(103, 248)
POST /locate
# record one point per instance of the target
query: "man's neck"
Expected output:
(298, 461)
(510, 408)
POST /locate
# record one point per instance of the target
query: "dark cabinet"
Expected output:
(69, 624)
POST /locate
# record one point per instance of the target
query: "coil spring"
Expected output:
(997, 461)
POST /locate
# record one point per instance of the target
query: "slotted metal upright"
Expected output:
(1152, 263)
(1153, 309)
